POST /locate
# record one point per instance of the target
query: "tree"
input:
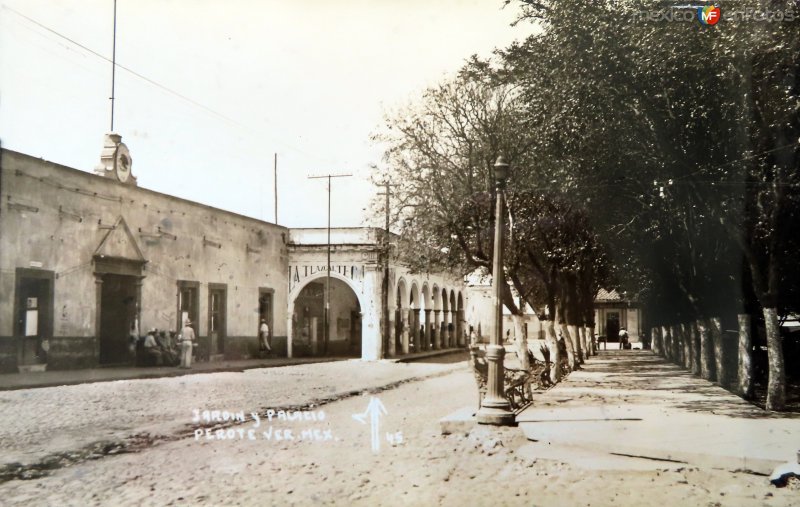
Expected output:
(442, 150)
(717, 141)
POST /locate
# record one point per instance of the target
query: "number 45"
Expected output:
(395, 438)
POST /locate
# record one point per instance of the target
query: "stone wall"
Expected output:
(56, 219)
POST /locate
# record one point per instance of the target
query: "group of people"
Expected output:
(162, 348)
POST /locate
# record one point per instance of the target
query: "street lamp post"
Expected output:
(495, 409)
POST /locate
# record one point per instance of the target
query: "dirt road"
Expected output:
(325, 456)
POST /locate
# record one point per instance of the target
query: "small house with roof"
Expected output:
(614, 310)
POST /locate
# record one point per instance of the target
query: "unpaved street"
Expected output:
(36, 423)
(337, 466)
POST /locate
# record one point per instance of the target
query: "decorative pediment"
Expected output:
(119, 243)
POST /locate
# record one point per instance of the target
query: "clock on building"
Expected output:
(122, 162)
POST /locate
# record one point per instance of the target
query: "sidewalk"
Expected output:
(13, 381)
(632, 410)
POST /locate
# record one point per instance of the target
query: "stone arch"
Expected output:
(291, 323)
(425, 296)
(401, 293)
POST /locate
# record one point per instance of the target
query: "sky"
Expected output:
(237, 81)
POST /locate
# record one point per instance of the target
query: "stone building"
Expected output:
(426, 311)
(614, 311)
(86, 258)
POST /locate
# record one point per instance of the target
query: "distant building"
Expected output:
(614, 311)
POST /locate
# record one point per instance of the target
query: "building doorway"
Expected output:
(217, 321)
(34, 315)
(308, 321)
(612, 327)
(265, 312)
(118, 309)
(188, 307)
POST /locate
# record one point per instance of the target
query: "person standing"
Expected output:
(133, 338)
(263, 333)
(186, 339)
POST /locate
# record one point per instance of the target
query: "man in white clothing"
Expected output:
(263, 332)
(186, 339)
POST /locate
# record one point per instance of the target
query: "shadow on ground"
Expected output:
(644, 377)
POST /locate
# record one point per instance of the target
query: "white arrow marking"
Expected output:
(373, 410)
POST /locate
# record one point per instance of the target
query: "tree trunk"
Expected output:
(587, 338)
(570, 347)
(667, 334)
(719, 351)
(776, 388)
(707, 370)
(521, 342)
(695, 337)
(745, 358)
(686, 336)
(655, 339)
(576, 342)
(552, 344)
(677, 345)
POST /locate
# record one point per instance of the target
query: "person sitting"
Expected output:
(152, 353)
(168, 351)
(623, 339)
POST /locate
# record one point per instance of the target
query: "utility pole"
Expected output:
(326, 334)
(113, 64)
(275, 184)
(387, 331)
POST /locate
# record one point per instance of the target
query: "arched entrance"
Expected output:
(308, 320)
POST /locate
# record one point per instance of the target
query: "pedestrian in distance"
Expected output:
(623, 338)
(263, 333)
(133, 338)
(186, 339)
(473, 337)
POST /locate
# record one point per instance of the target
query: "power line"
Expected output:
(131, 71)
(246, 129)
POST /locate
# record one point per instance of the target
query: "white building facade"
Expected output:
(425, 310)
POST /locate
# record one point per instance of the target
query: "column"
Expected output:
(427, 344)
(437, 329)
(459, 328)
(405, 316)
(392, 351)
(415, 330)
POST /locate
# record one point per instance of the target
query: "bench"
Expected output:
(516, 383)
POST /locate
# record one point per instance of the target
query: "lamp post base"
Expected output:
(496, 416)
(495, 409)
